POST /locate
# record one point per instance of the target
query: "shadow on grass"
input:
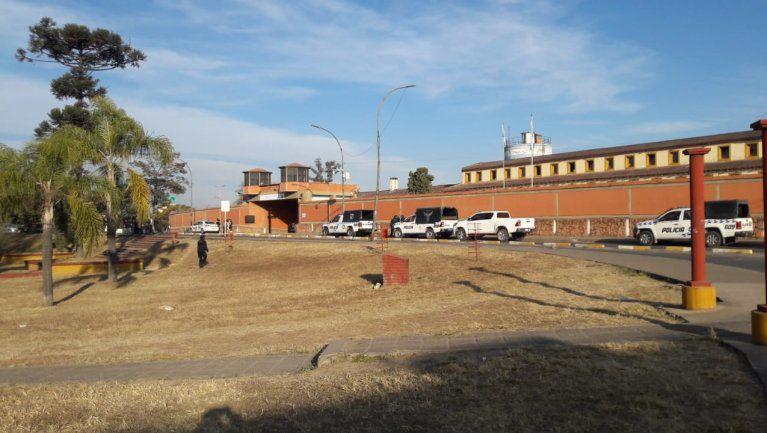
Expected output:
(573, 291)
(550, 387)
(372, 278)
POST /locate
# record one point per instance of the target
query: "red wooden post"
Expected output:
(699, 294)
(759, 316)
(761, 125)
(697, 208)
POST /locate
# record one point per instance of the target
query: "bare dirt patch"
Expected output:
(270, 297)
(640, 387)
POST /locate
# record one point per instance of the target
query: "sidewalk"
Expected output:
(296, 363)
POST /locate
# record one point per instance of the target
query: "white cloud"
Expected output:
(666, 127)
(25, 103)
(517, 52)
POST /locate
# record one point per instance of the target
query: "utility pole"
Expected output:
(191, 189)
(378, 149)
(532, 150)
(343, 171)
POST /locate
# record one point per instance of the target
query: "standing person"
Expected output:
(202, 251)
(218, 224)
(229, 225)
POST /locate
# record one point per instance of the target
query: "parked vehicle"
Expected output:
(494, 223)
(204, 227)
(9, 228)
(350, 223)
(725, 221)
(429, 222)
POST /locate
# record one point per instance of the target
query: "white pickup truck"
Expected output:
(204, 227)
(430, 222)
(494, 223)
(725, 221)
(350, 223)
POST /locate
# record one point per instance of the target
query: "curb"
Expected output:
(634, 247)
(731, 251)
(590, 246)
(557, 244)
(676, 248)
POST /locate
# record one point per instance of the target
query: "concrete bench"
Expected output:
(21, 258)
(86, 267)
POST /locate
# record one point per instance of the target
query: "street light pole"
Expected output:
(378, 148)
(191, 188)
(343, 171)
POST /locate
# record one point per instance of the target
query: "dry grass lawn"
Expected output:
(692, 386)
(270, 297)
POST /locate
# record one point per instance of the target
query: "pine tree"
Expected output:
(83, 51)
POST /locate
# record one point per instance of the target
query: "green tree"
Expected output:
(331, 167)
(47, 174)
(164, 180)
(116, 141)
(419, 181)
(83, 51)
(318, 171)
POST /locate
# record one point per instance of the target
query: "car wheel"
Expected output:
(430, 233)
(461, 234)
(646, 238)
(325, 231)
(503, 235)
(397, 233)
(713, 239)
(350, 232)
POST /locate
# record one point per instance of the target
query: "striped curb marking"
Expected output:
(592, 246)
(676, 248)
(731, 251)
(635, 247)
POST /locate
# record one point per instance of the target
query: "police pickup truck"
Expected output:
(350, 223)
(725, 220)
(493, 223)
(429, 222)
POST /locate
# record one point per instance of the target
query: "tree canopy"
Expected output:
(83, 51)
(419, 181)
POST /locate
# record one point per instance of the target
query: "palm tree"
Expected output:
(115, 140)
(48, 173)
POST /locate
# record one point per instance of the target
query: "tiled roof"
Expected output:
(746, 164)
(294, 165)
(257, 170)
(619, 150)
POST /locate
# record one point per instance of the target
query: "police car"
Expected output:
(725, 221)
(350, 223)
(428, 222)
(494, 223)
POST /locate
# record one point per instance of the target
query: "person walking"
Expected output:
(202, 251)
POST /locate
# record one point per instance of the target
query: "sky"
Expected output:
(236, 84)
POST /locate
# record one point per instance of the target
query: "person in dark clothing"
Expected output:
(202, 251)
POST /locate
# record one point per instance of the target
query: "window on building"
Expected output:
(467, 177)
(493, 174)
(521, 172)
(554, 169)
(570, 167)
(651, 160)
(507, 174)
(724, 153)
(673, 157)
(629, 161)
(478, 176)
(589, 165)
(609, 164)
(538, 170)
(752, 150)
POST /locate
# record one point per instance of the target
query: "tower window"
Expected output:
(570, 167)
(673, 157)
(650, 160)
(609, 164)
(589, 165)
(629, 161)
(493, 174)
(521, 172)
(507, 175)
(478, 176)
(724, 153)
(467, 177)
(538, 170)
(554, 169)
(752, 150)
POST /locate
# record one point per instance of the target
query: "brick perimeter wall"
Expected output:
(604, 207)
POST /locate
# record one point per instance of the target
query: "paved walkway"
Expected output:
(295, 363)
